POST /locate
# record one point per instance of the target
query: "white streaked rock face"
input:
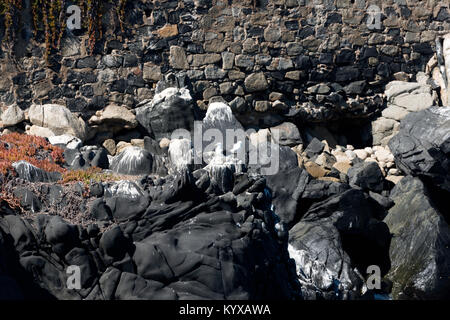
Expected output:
(221, 125)
(221, 169)
(27, 170)
(123, 188)
(132, 161)
(310, 270)
(180, 153)
(218, 113)
(31, 173)
(182, 93)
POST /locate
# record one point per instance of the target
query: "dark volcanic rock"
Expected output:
(314, 148)
(178, 243)
(332, 238)
(28, 199)
(366, 175)
(124, 208)
(420, 249)
(287, 188)
(422, 147)
(9, 288)
(114, 244)
(86, 157)
(100, 211)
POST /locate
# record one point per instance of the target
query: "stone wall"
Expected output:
(269, 59)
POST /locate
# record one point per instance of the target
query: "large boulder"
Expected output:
(58, 119)
(422, 146)
(334, 237)
(132, 161)
(420, 247)
(113, 118)
(171, 109)
(286, 134)
(12, 116)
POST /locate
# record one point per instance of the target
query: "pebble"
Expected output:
(362, 154)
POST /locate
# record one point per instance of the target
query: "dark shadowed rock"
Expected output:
(366, 175)
(314, 148)
(22, 237)
(60, 234)
(86, 157)
(100, 211)
(287, 188)
(334, 236)
(28, 199)
(114, 244)
(124, 208)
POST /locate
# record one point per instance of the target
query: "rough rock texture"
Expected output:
(86, 157)
(422, 147)
(175, 247)
(31, 173)
(420, 248)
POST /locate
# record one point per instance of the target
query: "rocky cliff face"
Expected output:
(159, 225)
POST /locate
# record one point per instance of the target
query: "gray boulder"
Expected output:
(286, 134)
(171, 109)
(420, 248)
(366, 175)
(422, 146)
(31, 173)
(12, 116)
(58, 119)
(334, 237)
